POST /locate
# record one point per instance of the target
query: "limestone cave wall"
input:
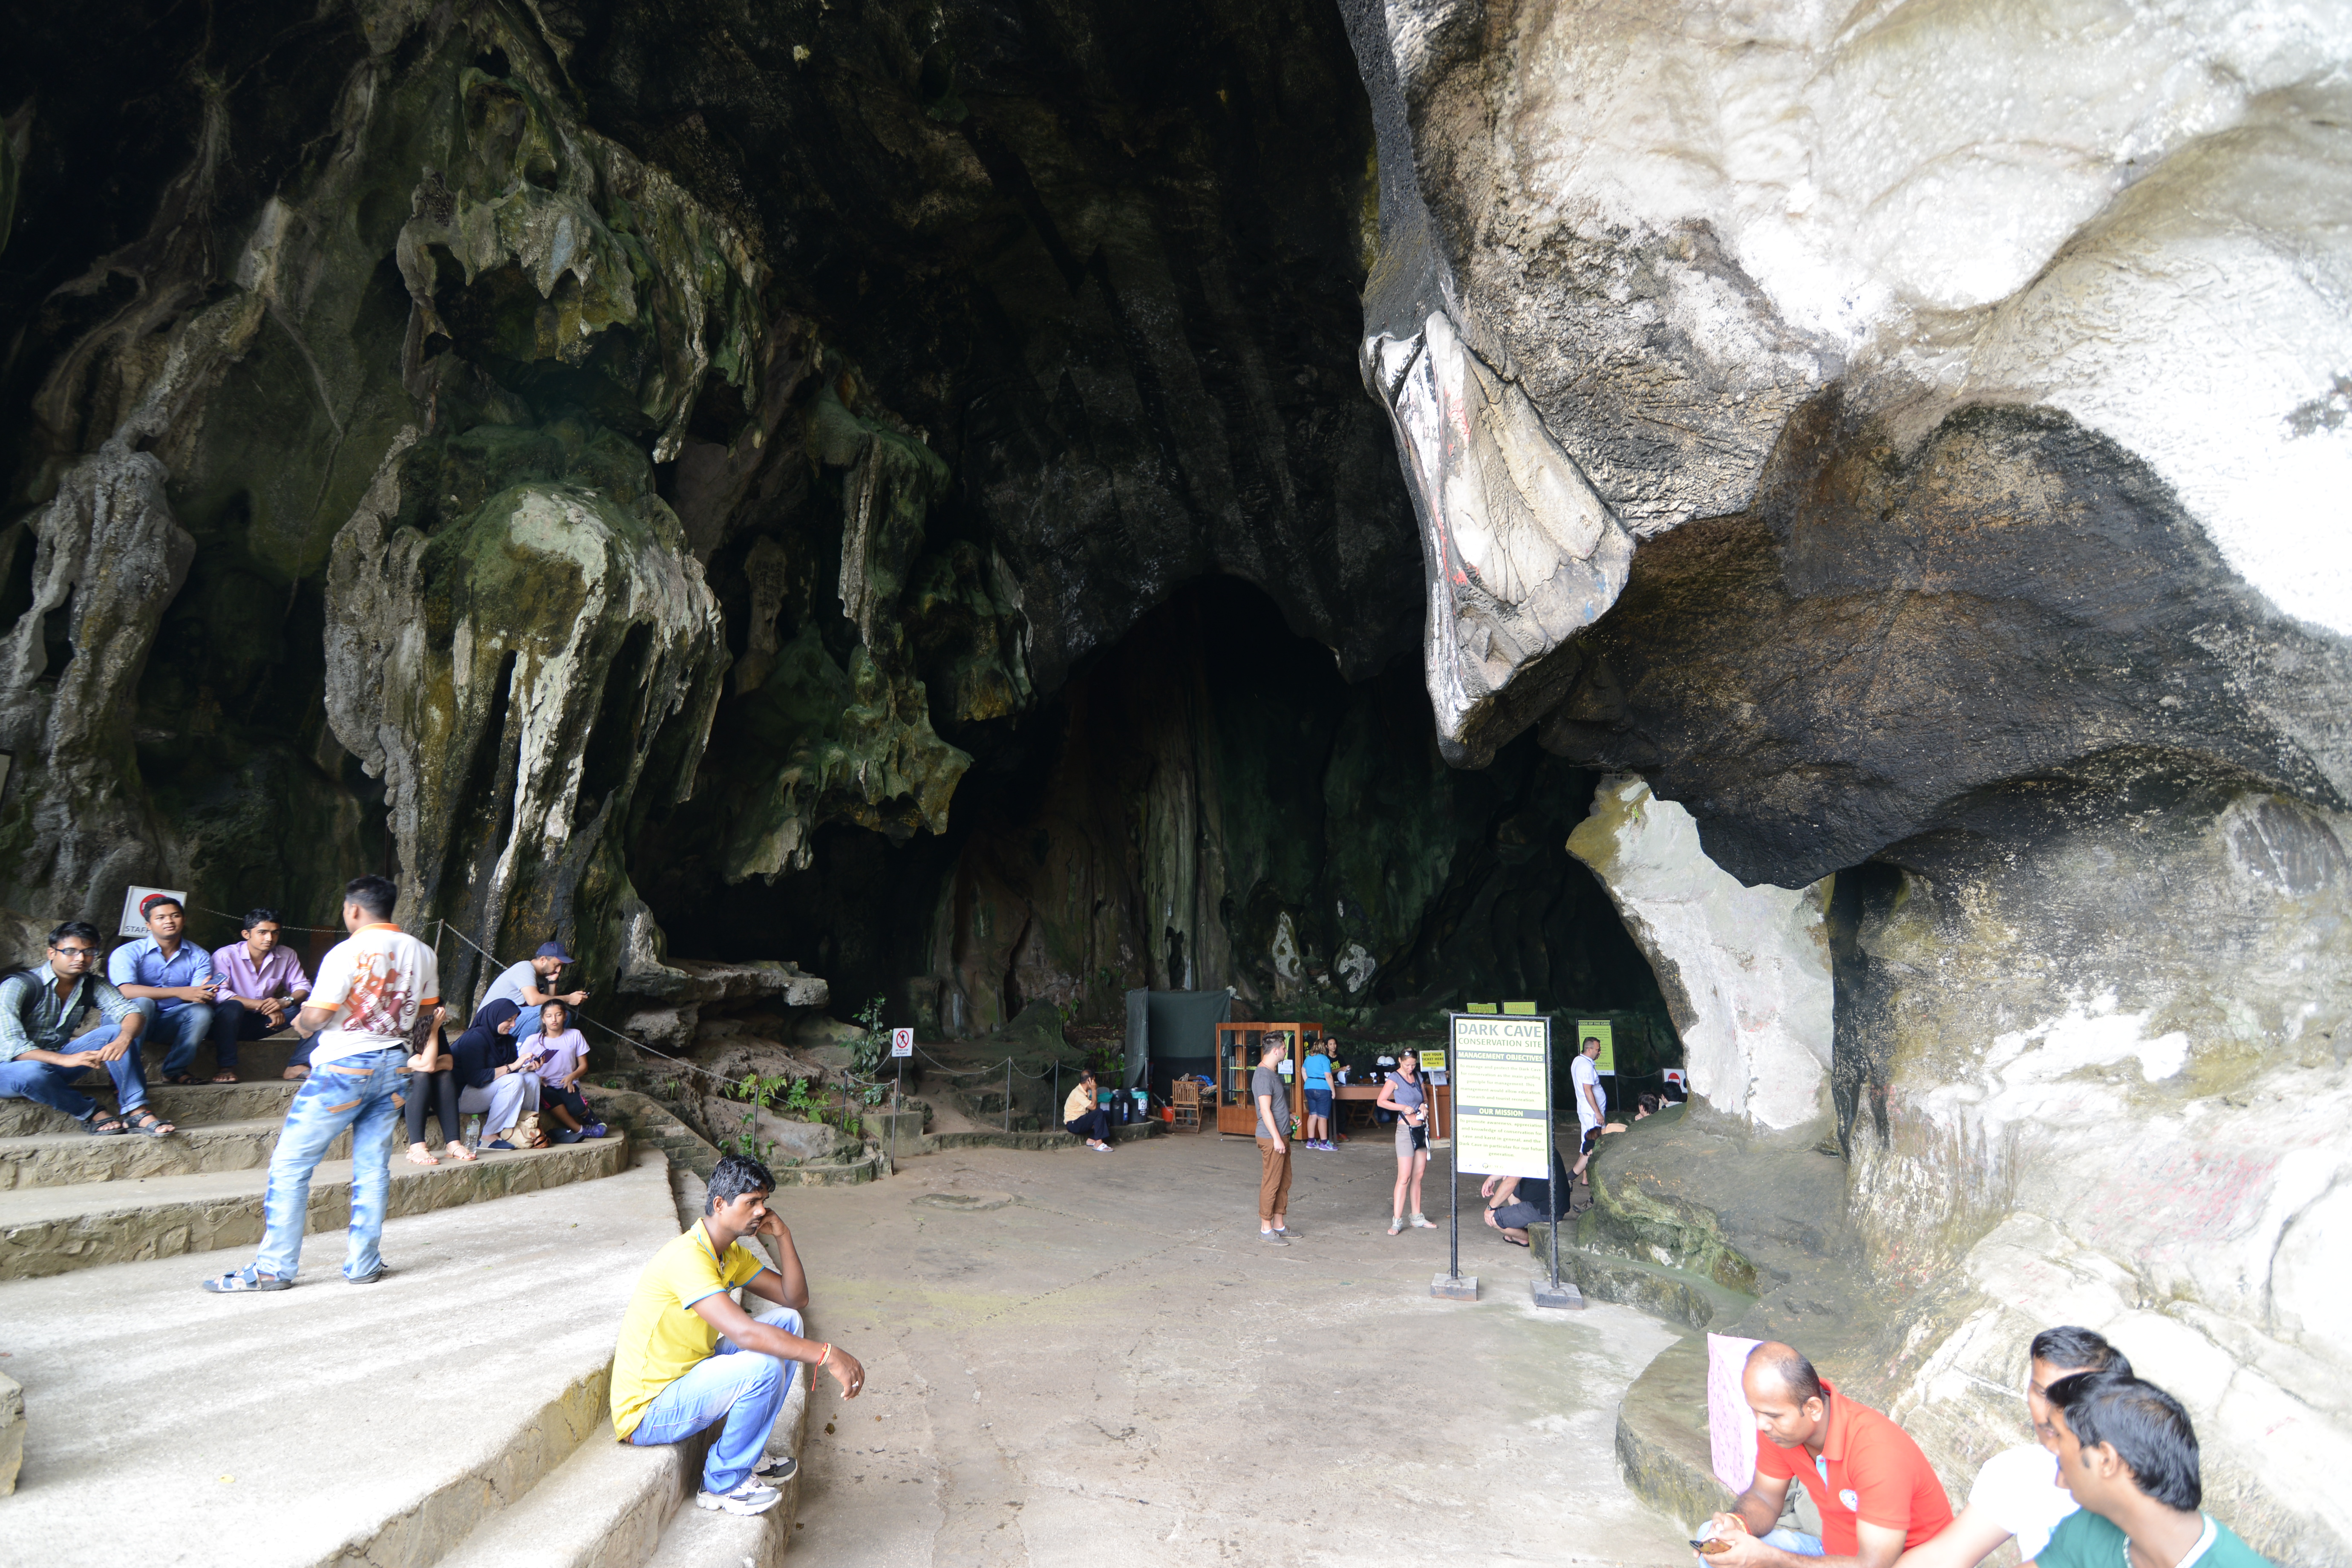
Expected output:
(1904, 444)
(951, 495)
(1209, 804)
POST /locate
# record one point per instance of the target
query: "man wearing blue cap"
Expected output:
(530, 986)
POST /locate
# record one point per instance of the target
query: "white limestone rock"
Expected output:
(1745, 971)
(1669, 227)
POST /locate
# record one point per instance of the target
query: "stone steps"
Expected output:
(609, 1505)
(201, 1105)
(1662, 1446)
(327, 1426)
(1676, 1295)
(53, 1230)
(521, 1467)
(604, 1505)
(257, 1060)
(70, 1158)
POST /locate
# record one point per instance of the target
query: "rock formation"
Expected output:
(1969, 384)
(936, 492)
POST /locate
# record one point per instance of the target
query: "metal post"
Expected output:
(1452, 1174)
(1553, 1168)
(1008, 1094)
(1559, 1295)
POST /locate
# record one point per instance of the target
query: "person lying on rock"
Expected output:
(1874, 1491)
(261, 986)
(493, 1081)
(1644, 1107)
(689, 1358)
(38, 1063)
(2127, 1454)
(563, 1061)
(2018, 1492)
(432, 1086)
(373, 987)
(1085, 1118)
(170, 980)
(529, 985)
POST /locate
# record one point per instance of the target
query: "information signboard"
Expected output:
(1598, 1028)
(902, 1044)
(1502, 1100)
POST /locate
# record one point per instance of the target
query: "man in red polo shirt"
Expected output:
(1875, 1491)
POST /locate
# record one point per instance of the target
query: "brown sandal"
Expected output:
(223, 1077)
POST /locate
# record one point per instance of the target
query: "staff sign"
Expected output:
(134, 923)
(902, 1042)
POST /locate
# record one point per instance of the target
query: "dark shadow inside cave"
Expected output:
(1206, 803)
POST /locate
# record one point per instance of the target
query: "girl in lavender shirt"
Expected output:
(563, 1061)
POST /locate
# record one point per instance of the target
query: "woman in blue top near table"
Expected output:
(1319, 1086)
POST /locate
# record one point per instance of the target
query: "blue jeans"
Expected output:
(355, 1092)
(182, 1029)
(747, 1391)
(46, 1083)
(1795, 1543)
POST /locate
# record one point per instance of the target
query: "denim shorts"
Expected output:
(1318, 1102)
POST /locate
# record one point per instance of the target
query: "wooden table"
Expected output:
(1441, 1098)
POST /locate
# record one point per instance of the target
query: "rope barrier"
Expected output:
(239, 920)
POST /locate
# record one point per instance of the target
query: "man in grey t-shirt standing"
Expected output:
(1272, 1097)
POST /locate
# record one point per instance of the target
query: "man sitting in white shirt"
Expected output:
(2017, 1491)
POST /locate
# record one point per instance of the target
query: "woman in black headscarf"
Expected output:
(489, 1080)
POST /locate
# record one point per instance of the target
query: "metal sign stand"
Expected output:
(1451, 1286)
(1555, 1294)
(902, 1046)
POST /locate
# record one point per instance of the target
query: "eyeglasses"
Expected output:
(75, 952)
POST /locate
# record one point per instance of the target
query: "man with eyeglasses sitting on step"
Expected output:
(40, 1007)
(689, 1358)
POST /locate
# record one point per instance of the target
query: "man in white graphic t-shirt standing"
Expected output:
(360, 1018)
(1584, 1079)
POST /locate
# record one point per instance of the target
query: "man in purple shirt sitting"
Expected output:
(170, 980)
(261, 986)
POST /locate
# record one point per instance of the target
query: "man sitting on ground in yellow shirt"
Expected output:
(674, 1374)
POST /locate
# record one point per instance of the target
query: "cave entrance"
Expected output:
(1207, 804)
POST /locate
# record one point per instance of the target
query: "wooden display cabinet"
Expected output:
(1238, 1046)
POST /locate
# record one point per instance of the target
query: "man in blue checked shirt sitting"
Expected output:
(39, 1063)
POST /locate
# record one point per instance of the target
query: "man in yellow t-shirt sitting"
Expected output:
(674, 1374)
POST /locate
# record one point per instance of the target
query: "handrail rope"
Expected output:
(201, 909)
(848, 1075)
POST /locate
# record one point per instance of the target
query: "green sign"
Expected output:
(1502, 1094)
(1598, 1028)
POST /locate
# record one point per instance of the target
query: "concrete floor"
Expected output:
(1088, 1359)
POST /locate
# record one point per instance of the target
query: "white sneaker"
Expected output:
(749, 1496)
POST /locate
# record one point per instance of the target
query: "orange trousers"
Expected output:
(1272, 1181)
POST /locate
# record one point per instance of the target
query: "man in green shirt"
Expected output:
(2127, 1451)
